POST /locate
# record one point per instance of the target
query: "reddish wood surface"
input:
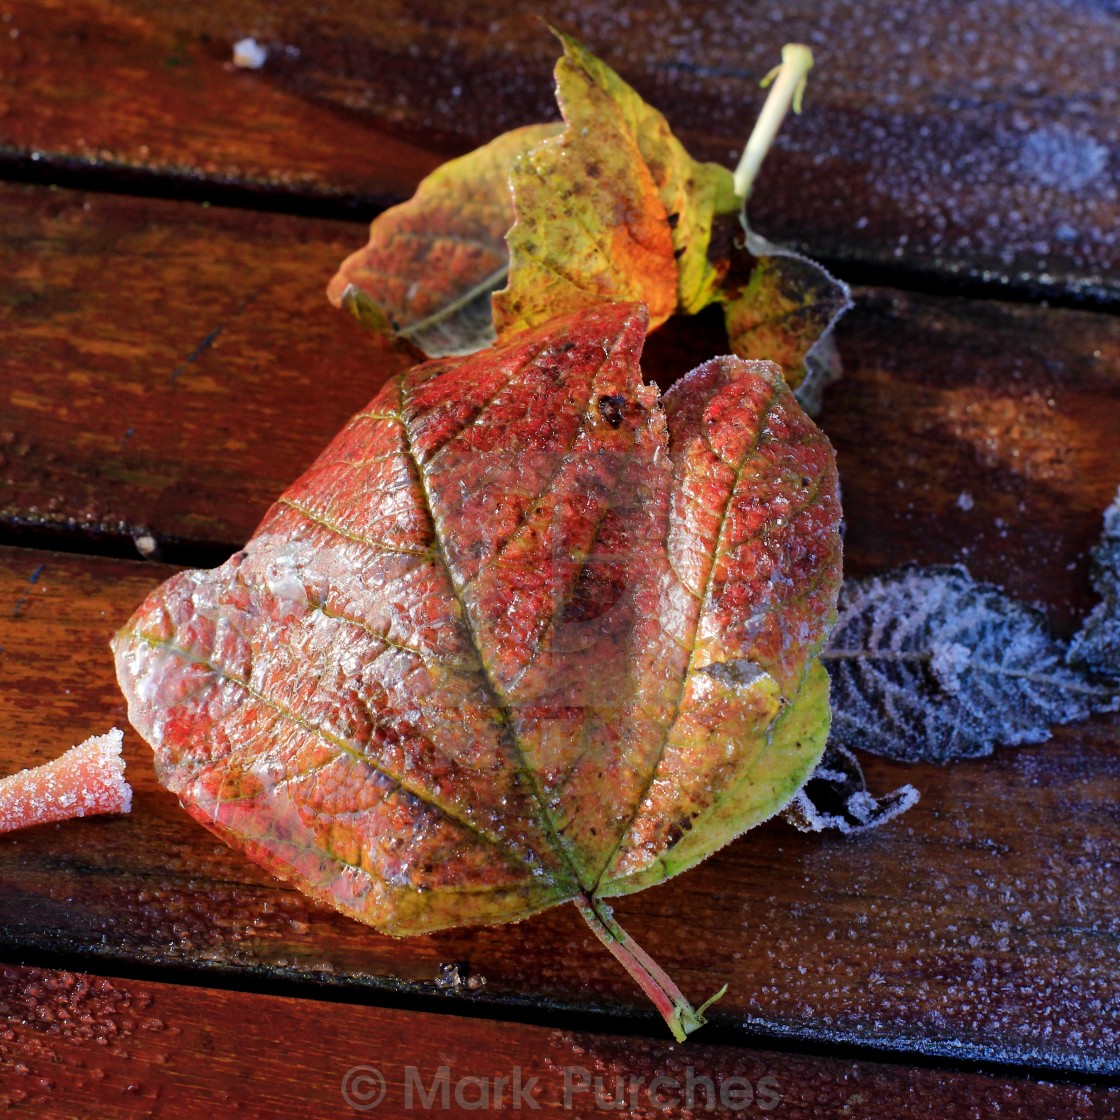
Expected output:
(168, 367)
(101, 84)
(1010, 410)
(74, 1045)
(942, 138)
(972, 926)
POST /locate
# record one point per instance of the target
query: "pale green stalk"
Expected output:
(789, 81)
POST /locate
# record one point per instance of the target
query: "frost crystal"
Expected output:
(1096, 645)
(948, 662)
(836, 798)
(929, 665)
(248, 54)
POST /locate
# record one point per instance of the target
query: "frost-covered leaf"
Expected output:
(836, 798)
(85, 780)
(611, 208)
(429, 267)
(929, 665)
(1096, 646)
(525, 633)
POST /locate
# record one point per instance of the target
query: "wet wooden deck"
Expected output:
(168, 363)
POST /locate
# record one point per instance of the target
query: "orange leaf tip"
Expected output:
(87, 779)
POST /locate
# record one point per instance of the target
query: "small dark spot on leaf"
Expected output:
(672, 219)
(678, 253)
(593, 171)
(677, 830)
(612, 410)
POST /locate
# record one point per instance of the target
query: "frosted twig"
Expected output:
(87, 779)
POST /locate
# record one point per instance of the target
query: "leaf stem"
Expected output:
(789, 84)
(669, 1000)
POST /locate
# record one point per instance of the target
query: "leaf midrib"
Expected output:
(560, 848)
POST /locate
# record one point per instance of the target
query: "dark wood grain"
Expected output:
(939, 138)
(977, 433)
(984, 923)
(99, 85)
(170, 369)
(74, 1045)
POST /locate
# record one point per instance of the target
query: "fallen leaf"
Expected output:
(836, 798)
(1096, 645)
(427, 272)
(928, 665)
(525, 633)
(611, 208)
(86, 780)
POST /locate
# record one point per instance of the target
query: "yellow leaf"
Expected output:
(612, 209)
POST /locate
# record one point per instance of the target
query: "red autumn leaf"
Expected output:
(524, 634)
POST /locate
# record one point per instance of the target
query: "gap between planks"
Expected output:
(69, 173)
(536, 1015)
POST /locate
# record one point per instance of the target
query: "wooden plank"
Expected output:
(1008, 410)
(170, 369)
(75, 1045)
(103, 85)
(982, 924)
(940, 139)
